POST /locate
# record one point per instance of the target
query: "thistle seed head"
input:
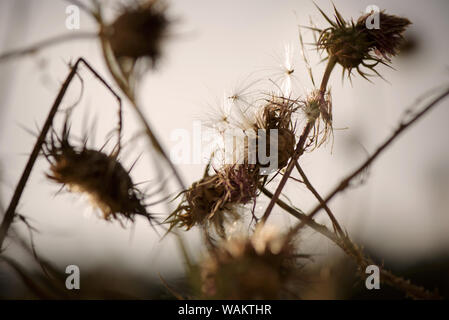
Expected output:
(277, 114)
(98, 175)
(347, 44)
(139, 31)
(261, 266)
(386, 40)
(212, 201)
(352, 44)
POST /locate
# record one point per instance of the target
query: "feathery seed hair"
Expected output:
(318, 109)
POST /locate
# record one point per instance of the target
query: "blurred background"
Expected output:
(400, 213)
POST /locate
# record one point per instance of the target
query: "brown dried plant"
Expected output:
(100, 176)
(258, 265)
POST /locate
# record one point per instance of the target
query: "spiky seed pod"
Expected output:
(347, 44)
(213, 200)
(386, 40)
(139, 31)
(352, 44)
(262, 266)
(318, 109)
(98, 175)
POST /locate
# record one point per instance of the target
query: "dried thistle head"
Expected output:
(277, 114)
(139, 31)
(214, 199)
(247, 130)
(386, 40)
(261, 266)
(352, 44)
(317, 107)
(98, 175)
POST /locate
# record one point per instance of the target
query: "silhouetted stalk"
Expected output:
(300, 146)
(123, 84)
(353, 251)
(10, 212)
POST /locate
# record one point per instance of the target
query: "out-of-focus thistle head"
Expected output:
(318, 109)
(353, 45)
(262, 266)
(213, 200)
(139, 31)
(98, 175)
(386, 40)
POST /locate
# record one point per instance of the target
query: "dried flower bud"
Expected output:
(262, 266)
(138, 31)
(212, 200)
(100, 176)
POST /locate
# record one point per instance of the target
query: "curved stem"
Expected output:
(10, 212)
(130, 95)
(327, 73)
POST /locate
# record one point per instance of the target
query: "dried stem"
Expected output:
(11, 210)
(353, 251)
(300, 146)
(402, 126)
(342, 240)
(124, 86)
(320, 200)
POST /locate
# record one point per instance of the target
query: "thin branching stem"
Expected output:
(353, 251)
(400, 129)
(124, 86)
(11, 210)
(319, 198)
(343, 240)
(301, 143)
